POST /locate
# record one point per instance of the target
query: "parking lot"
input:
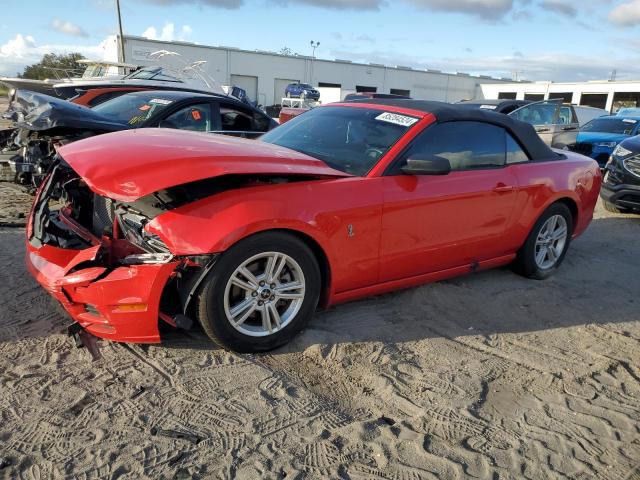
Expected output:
(485, 376)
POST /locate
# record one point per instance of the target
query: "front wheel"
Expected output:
(547, 243)
(260, 294)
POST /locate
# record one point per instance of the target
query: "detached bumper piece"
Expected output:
(84, 339)
(119, 303)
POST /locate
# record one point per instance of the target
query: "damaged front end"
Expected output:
(94, 255)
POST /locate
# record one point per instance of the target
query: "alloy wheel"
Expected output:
(264, 294)
(551, 241)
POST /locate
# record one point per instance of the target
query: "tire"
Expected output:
(219, 299)
(526, 262)
(610, 207)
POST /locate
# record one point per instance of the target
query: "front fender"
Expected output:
(342, 216)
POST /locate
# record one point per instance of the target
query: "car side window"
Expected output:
(565, 117)
(515, 153)
(467, 145)
(536, 114)
(193, 117)
(236, 119)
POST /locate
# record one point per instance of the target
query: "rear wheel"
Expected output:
(610, 207)
(547, 243)
(260, 294)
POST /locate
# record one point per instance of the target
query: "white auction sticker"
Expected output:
(488, 107)
(397, 119)
(161, 101)
(629, 120)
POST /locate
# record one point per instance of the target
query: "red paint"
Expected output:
(406, 230)
(86, 97)
(134, 163)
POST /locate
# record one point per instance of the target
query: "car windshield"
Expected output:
(623, 126)
(351, 140)
(133, 108)
(306, 85)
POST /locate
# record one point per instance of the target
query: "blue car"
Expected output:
(600, 136)
(302, 90)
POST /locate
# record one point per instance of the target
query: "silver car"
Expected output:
(557, 124)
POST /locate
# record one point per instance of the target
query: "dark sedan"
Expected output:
(44, 122)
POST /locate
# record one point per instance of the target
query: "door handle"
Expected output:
(502, 188)
(569, 128)
(541, 130)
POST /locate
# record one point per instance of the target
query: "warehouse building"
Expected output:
(265, 75)
(610, 95)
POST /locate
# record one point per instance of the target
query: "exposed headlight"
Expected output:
(620, 151)
(606, 144)
(132, 225)
(147, 258)
(632, 165)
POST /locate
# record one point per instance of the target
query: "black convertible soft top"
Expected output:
(446, 112)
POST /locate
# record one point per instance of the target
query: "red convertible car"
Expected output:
(250, 237)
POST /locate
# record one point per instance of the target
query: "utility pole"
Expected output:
(121, 52)
(314, 45)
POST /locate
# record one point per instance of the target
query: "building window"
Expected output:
(625, 100)
(329, 85)
(534, 97)
(566, 97)
(598, 100)
(507, 95)
(400, 91)
(364, 89)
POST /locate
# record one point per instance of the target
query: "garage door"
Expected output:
(250, 84)
(279, 86)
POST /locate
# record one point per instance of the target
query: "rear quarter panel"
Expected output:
(541, 183)
(320, 209)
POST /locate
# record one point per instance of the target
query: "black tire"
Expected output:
(525, 263)
(610, 207)
(209, 302)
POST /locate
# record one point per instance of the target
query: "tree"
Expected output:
(46, 68)
(286, 51)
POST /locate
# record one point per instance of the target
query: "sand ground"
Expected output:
(488, 376)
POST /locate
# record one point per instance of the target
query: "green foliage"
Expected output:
(46, 68)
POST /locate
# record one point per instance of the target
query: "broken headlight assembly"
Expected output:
(132, 225)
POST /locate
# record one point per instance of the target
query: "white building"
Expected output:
(265, 75)
(609, 95)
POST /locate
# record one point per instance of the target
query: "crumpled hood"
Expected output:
(37, 111)
(596, 137)
(130, 164)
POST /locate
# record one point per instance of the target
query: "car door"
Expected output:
(239, 121)
(432, 223)
(543, 116)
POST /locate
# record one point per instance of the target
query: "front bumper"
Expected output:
(622, 195)
(120, 304)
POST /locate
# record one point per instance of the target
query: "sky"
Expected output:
(558, 40)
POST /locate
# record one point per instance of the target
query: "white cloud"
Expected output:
(626, 14)
(23, 50)
(68, 28)
(168, 32)
(18, 47)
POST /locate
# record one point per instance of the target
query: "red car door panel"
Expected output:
(431, 223)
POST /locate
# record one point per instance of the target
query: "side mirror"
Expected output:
(427, 165)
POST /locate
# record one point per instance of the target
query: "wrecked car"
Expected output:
(44, 123)
(254, 235)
